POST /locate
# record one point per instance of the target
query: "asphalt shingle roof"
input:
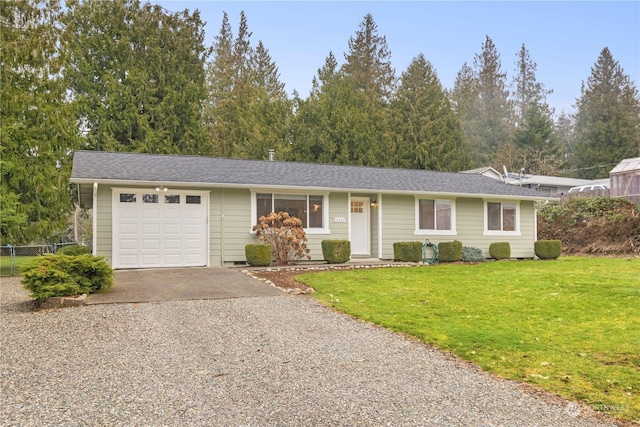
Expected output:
(91, 166)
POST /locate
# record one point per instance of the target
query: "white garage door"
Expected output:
(154, 228)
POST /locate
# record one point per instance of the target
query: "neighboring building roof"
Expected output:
(548, 180)
(131, 168)
(627, 165)
(486, 171)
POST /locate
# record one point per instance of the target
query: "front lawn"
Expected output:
(570, 326)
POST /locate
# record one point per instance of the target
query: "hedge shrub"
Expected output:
(407, 251)
(258, 255)
(548, 249)
(336, 251)
(500, 250)
(450, 251)
(73, 250)
(66, 275)
(470, 254)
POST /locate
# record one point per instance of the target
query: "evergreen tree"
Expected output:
(564, 130)
(528, 90)
(538, 146)
(607, 119)
(319, 118)
(137, 76)
(428, 132)
(366, 137)
(38, 128)
(248, 111)
(482, 101)
(220, 106)
(368, 61)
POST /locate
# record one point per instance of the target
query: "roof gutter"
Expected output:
(289, 188)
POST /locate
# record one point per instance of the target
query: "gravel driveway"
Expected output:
(260, 361)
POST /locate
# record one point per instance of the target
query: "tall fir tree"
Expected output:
(371, 80)
(539, 151)
(38, 129)
(527, 90)
(428, 132)
(319, 118)
(482, 101)
(248, 111)
(137, 76)
(607, 119)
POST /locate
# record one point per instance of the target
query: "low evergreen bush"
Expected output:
(500, 250)
(470, 254)
(450, 251)
(548, 249)
(258, 255)
(336, 251)
(407, 251)
(66, 275)
(73, 250)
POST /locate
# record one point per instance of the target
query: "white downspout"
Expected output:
(94, 239)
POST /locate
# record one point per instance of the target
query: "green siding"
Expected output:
(399, 222)
(230, 225)
(104, 234)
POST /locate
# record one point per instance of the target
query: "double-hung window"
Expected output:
(502, 218)
(435, 216)
(310, 209)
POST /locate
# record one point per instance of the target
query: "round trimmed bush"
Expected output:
(336, 251)
(500, 250)
(258, 255)
(450, 251)
(548, 249)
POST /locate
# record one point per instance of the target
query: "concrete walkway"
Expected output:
(181, 284)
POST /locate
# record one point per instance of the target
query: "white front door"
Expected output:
(360, 228)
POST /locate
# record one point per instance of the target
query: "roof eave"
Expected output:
(182, 184)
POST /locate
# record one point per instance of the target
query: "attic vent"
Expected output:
(272, 154)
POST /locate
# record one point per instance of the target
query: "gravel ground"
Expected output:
(268, 361)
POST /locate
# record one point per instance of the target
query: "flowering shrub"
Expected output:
(286, 236)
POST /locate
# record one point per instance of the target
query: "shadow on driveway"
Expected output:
(181, 284)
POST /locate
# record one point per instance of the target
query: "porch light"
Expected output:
(161, 188)
(374, 203)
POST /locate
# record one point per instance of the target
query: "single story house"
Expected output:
(177, 211)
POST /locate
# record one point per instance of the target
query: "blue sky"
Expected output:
(563, 38)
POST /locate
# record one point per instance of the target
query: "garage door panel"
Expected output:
(161, 232)
(172, 229)
(128, 244)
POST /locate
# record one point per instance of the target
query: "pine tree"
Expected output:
(38, 128)
(318, 118)
(539, 149)
(482, 101)
(137, 76)
(607, 119)
(428, 132)
(528, 90)
(248, 111)
(370, 80)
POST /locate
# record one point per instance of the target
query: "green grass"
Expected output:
(570, 326)
(5, 266)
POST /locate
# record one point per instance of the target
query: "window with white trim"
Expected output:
(435, 216)
(502, 217)
(310, 209)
